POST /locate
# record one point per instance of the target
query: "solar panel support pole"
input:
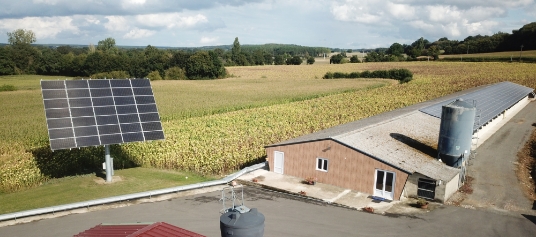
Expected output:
(108, 160)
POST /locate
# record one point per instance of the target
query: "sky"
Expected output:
(347, 24)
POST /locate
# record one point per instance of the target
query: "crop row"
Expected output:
(221, 143)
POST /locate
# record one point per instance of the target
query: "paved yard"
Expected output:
(495, 183)
(288, 216)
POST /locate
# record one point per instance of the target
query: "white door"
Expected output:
(279, 160)
(384, 184)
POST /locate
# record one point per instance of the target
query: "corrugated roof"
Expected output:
(489, 101)
(406, 137)
(408, 142)
(158, 229)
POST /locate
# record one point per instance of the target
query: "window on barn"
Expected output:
(322, 164)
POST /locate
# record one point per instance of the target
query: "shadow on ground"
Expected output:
(86, 160)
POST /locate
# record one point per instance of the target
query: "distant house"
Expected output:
(394, 155)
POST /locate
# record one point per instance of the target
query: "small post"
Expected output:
(520, 51)
(109, 167)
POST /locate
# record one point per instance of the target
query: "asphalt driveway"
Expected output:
(288, 216)
(495, 183)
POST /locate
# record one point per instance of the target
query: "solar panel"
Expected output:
(490, 101)
(84, 113)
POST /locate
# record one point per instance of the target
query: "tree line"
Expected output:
(522, 39)
(106, 59)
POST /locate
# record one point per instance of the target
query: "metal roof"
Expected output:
(158, 229)
(402, 137)
(489, 101)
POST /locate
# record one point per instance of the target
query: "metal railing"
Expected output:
(87, 204)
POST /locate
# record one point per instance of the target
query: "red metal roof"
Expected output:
(158, 229)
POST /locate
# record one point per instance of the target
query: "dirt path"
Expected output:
(495, 185)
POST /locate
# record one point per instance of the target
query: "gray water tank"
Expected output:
(234, 223)
(456, 132)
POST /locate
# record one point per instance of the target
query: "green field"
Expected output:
(88, 187)
(267, 104)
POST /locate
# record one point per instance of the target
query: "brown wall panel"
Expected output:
(347, 168)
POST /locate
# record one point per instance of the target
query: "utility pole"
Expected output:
(521, 51)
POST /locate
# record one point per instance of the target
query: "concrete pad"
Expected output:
(328, 193)
(324, 192)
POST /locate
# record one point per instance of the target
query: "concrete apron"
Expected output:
(329, 193)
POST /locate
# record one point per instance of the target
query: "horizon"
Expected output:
(344, 24)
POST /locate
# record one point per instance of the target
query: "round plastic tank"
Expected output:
(234, 223)
(456, 132)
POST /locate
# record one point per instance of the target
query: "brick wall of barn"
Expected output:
(347, 168)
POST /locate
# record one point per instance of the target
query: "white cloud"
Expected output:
(208, 40)
(48, 2)
(138, 33)
(443, 14)
(92, 20)
(360, 13)
(116, 23)
(171, 20)
(456, 18)
(132, 3)
(43, 27)
(401, 11)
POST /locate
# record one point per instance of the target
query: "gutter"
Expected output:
(126, 197)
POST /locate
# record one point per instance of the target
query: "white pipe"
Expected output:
(101, 201)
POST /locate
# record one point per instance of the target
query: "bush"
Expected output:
(175, 73)
(310, 60)
(328, 75)
(403, 75)
(154, 76)
(354, 75)
(339, 75)
(296, 60)
(354, 59)
(111, 75)
(6, 87)
(336, 59)
(366, 74)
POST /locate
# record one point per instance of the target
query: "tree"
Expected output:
(268, 60)
(179, 59)
(21, 36)
(7, 67)
(310, 60)
(279, 60)
(107, 45)
(235, 51)
(376, 57)
(336, 59)
(204, 65)
(354, 59)
(396, 49)
(296, 60)
(434, 52)
(154, 76)
(175, 73)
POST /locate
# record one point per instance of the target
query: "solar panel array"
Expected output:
(83, 113)
(490, 101)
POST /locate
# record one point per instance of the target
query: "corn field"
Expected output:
(222, 143)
